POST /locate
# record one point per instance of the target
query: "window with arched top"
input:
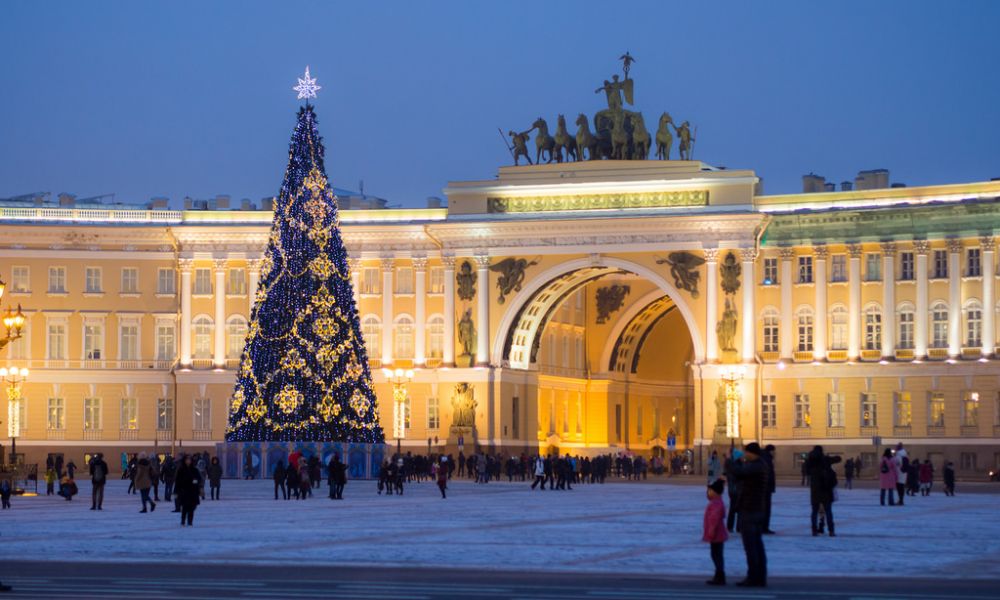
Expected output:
(838, 328)
(435, 336)
(371, 331)
(939, 325)
(905, 323)
(236, 335)
(804, 328)
(973, 324)
(403, 339)
(203, 327)
(769, 321)
(873, 327)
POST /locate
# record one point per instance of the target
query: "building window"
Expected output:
(129, 414)
(203, 337)
(940, 264)
(768, 411)
(869, 410)
(202, 414)
(92, 281)
(805, 329)
(970, 409)
(57, 414)
(939, 325)
(906, 269)
(404, 337)
(57, 340)
(967, 461)
(404, 280)
(433, 416)
(838, 328)
(873, 328)
(835, 410)
(770, 322)
(435, 337)
(973, 262)
(770, 271)
(165, 414)
(236, 284)
(57, 280)
(904, 409)
(371, 331)
(437, 280)
(166, 282)
(93, 341)
(92, 414)
(236, 335)
(801, 404)
(873, 267)
(130, 280)
(20, 280)
(936, 410)
(805, 269)
(973, 325)
(165, 340)
(128, 348)
(369, 280)
(838, 268)
(905, 318)
(203, 282)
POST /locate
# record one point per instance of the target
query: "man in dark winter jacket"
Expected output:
(751, 473)
(822, 480)
(98, 477)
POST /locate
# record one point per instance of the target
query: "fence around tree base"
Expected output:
(258, 459)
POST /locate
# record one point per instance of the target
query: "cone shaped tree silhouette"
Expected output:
(304, 373)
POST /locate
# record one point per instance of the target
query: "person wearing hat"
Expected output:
(714, 529)
(751, 474)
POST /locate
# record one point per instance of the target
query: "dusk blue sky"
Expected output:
(194, 98)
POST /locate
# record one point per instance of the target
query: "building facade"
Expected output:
(591, 307)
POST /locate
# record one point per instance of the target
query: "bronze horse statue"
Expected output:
(664, 139)
(619, 138)
(640, 138)
(564, 141)
(585, 139)
(543, 141)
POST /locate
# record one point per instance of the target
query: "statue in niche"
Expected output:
(730, 270)
(466, 280)
(684, 270)
(463, 406)
(726, 328)
(467, 334)
(609, 300)
(511, 275)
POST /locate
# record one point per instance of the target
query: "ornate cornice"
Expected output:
(954, 246)
(620, 201)
(821, 251)
(987, 243)
(922, 247)
(711, 255)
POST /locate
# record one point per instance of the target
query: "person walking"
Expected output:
(714, 530)
(822, 481)
(539, 472)
(751, 473)
(143, 482)
(887, 477)
(442, 476)
(6, 489)
(189, 485)
(949, 479)
(279, 480)
(214, 477)
(98, 478)
(849, 473)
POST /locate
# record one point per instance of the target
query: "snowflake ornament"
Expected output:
(307, 87)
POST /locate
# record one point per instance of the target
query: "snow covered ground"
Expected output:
(617, 527)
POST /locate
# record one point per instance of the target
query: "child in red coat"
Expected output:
(715, 529)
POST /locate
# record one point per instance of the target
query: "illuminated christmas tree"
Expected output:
(304, 370)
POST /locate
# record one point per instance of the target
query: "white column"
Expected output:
(749, 256)
(387, 315)
(987, 246)
(712, 302)
(786, 337)
(420, 288)
(354, 265)
(922, 248)
(253, 268)
(448, 352)
(186, 265)
(820, 318)
(954, 298)
(854, 302)
(888, 300)
(220, 313)
(483, 310)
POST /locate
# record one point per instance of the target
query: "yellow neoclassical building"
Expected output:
(590, 307)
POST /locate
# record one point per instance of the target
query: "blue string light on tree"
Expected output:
(304, 369)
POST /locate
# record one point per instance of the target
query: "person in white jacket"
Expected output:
(539, 472)
(902, 463)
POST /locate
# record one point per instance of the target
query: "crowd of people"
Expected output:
(900, 477)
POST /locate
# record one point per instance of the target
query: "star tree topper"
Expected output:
(307, 87)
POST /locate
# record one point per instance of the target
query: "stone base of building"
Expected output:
(257, 460)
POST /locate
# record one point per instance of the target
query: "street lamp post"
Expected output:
(399, 378)
(13, 377)
(732, 377)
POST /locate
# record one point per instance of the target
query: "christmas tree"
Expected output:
(304, 370)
